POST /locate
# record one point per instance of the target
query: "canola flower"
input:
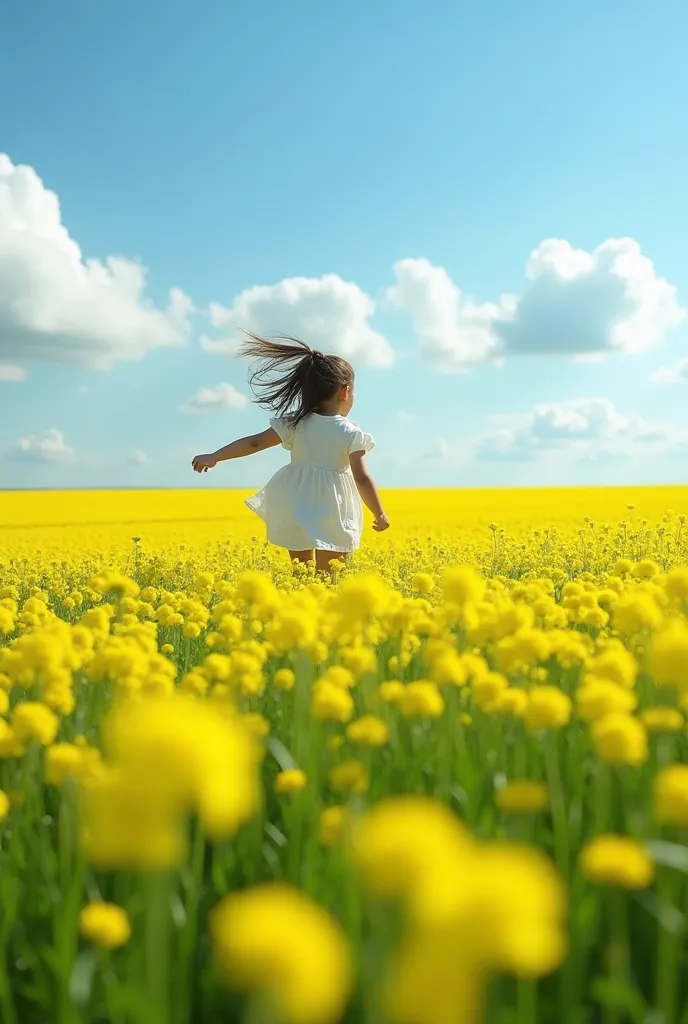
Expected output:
(447, 782)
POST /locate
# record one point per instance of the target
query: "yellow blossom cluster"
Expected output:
(365, 796)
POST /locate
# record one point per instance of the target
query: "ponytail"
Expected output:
(308, 377)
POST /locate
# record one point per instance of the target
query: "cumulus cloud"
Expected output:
(50, 446)
(440, 450)
(455, 332)
(224, 396)
(329, 313)
(137, 458)
(576, 303)
(58, 306)
(582, 426)
(671, 374)
(11, 373)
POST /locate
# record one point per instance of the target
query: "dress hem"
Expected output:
(315, 546)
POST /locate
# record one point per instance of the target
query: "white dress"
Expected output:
(313, 502)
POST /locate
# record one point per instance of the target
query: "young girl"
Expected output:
(314, 503)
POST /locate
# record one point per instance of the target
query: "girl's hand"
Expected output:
(202, 463)
(381, 523)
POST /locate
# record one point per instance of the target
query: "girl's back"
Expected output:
(321, 441)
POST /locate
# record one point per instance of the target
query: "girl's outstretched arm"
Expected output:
(237, 449)
(368, 491)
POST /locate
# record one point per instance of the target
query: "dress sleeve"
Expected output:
(283, 427)
(360, 442)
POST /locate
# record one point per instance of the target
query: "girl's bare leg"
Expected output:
(300, 556)
(323, 559)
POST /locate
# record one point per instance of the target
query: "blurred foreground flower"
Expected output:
(105, 924)
(471, 909)
(617, 860)
(273, 940)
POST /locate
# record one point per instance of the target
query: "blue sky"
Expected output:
(403, 168)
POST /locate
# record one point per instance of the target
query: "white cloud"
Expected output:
(137, 458)
(583, 427)
(329, 313)
(56, 305)
(440, 449)
(671, 374)
(50, 446)
(406, 417)
(455, 332)
(224, 396)
(577, 304)
(9, 372)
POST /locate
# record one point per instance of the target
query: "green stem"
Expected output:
(558, 804)
(190, 934)
(527, 1001)
(157, 949)
(668, 951)
(8, 1013)
(619, 954)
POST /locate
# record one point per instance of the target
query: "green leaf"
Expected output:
(281, 754)
(278, 838)
(81, 981)
(669, 855)
(615, 994)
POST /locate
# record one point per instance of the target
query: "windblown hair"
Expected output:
(307, 378)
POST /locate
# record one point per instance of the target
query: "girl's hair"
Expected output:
(308, 377)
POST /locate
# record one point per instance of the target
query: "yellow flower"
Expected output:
(359, 660)
(105, 924)
(167, 648)
(340, 676)
(285, 679)
(522, 797)
(620, 739)
(361, 599)
(662, 719)
(669, 656)
(369, 731)
(512, 701)
(616, 663)
(462, 585)
(391, 691)
(636, 612)
(34, 721)
(62, 761)
(4, 701)
(421, 699)
(253, 934)
(332, 825)
(256, 724)
(598, 697)
(676, 584)
(349, 777)
(185, 750)
(617, 860)
(399, 845)
(646, 570)
(547, 708)
(422, 582)
(488, 689)
(4, 804)
(290, 781)
(331, 703)
(671, 795)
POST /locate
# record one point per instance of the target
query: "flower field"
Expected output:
(446, 784)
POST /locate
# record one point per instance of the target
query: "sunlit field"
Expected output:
(447, 783)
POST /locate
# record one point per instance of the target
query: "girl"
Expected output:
(313, 504)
